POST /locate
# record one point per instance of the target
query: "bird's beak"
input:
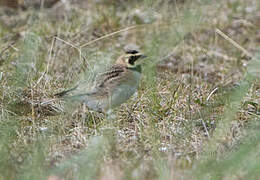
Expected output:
(143, 56)
(140, 56)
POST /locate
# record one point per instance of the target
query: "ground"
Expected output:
(196, 112)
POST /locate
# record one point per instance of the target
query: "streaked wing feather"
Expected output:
(110, 78)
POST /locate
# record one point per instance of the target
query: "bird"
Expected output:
(114, 86)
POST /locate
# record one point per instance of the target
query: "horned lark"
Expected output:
(114, 86)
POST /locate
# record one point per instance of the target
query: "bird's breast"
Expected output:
(125, 89)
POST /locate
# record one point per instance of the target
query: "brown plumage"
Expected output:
(114, 86)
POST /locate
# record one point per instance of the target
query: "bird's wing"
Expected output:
(110, 78)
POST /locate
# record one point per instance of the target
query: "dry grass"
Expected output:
(197, 100)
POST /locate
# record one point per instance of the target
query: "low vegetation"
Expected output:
(196, 113)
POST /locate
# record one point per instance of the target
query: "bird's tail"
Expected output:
(61, 94)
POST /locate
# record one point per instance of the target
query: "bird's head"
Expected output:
(130, 58)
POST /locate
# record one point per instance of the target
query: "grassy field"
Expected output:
(196, 113)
